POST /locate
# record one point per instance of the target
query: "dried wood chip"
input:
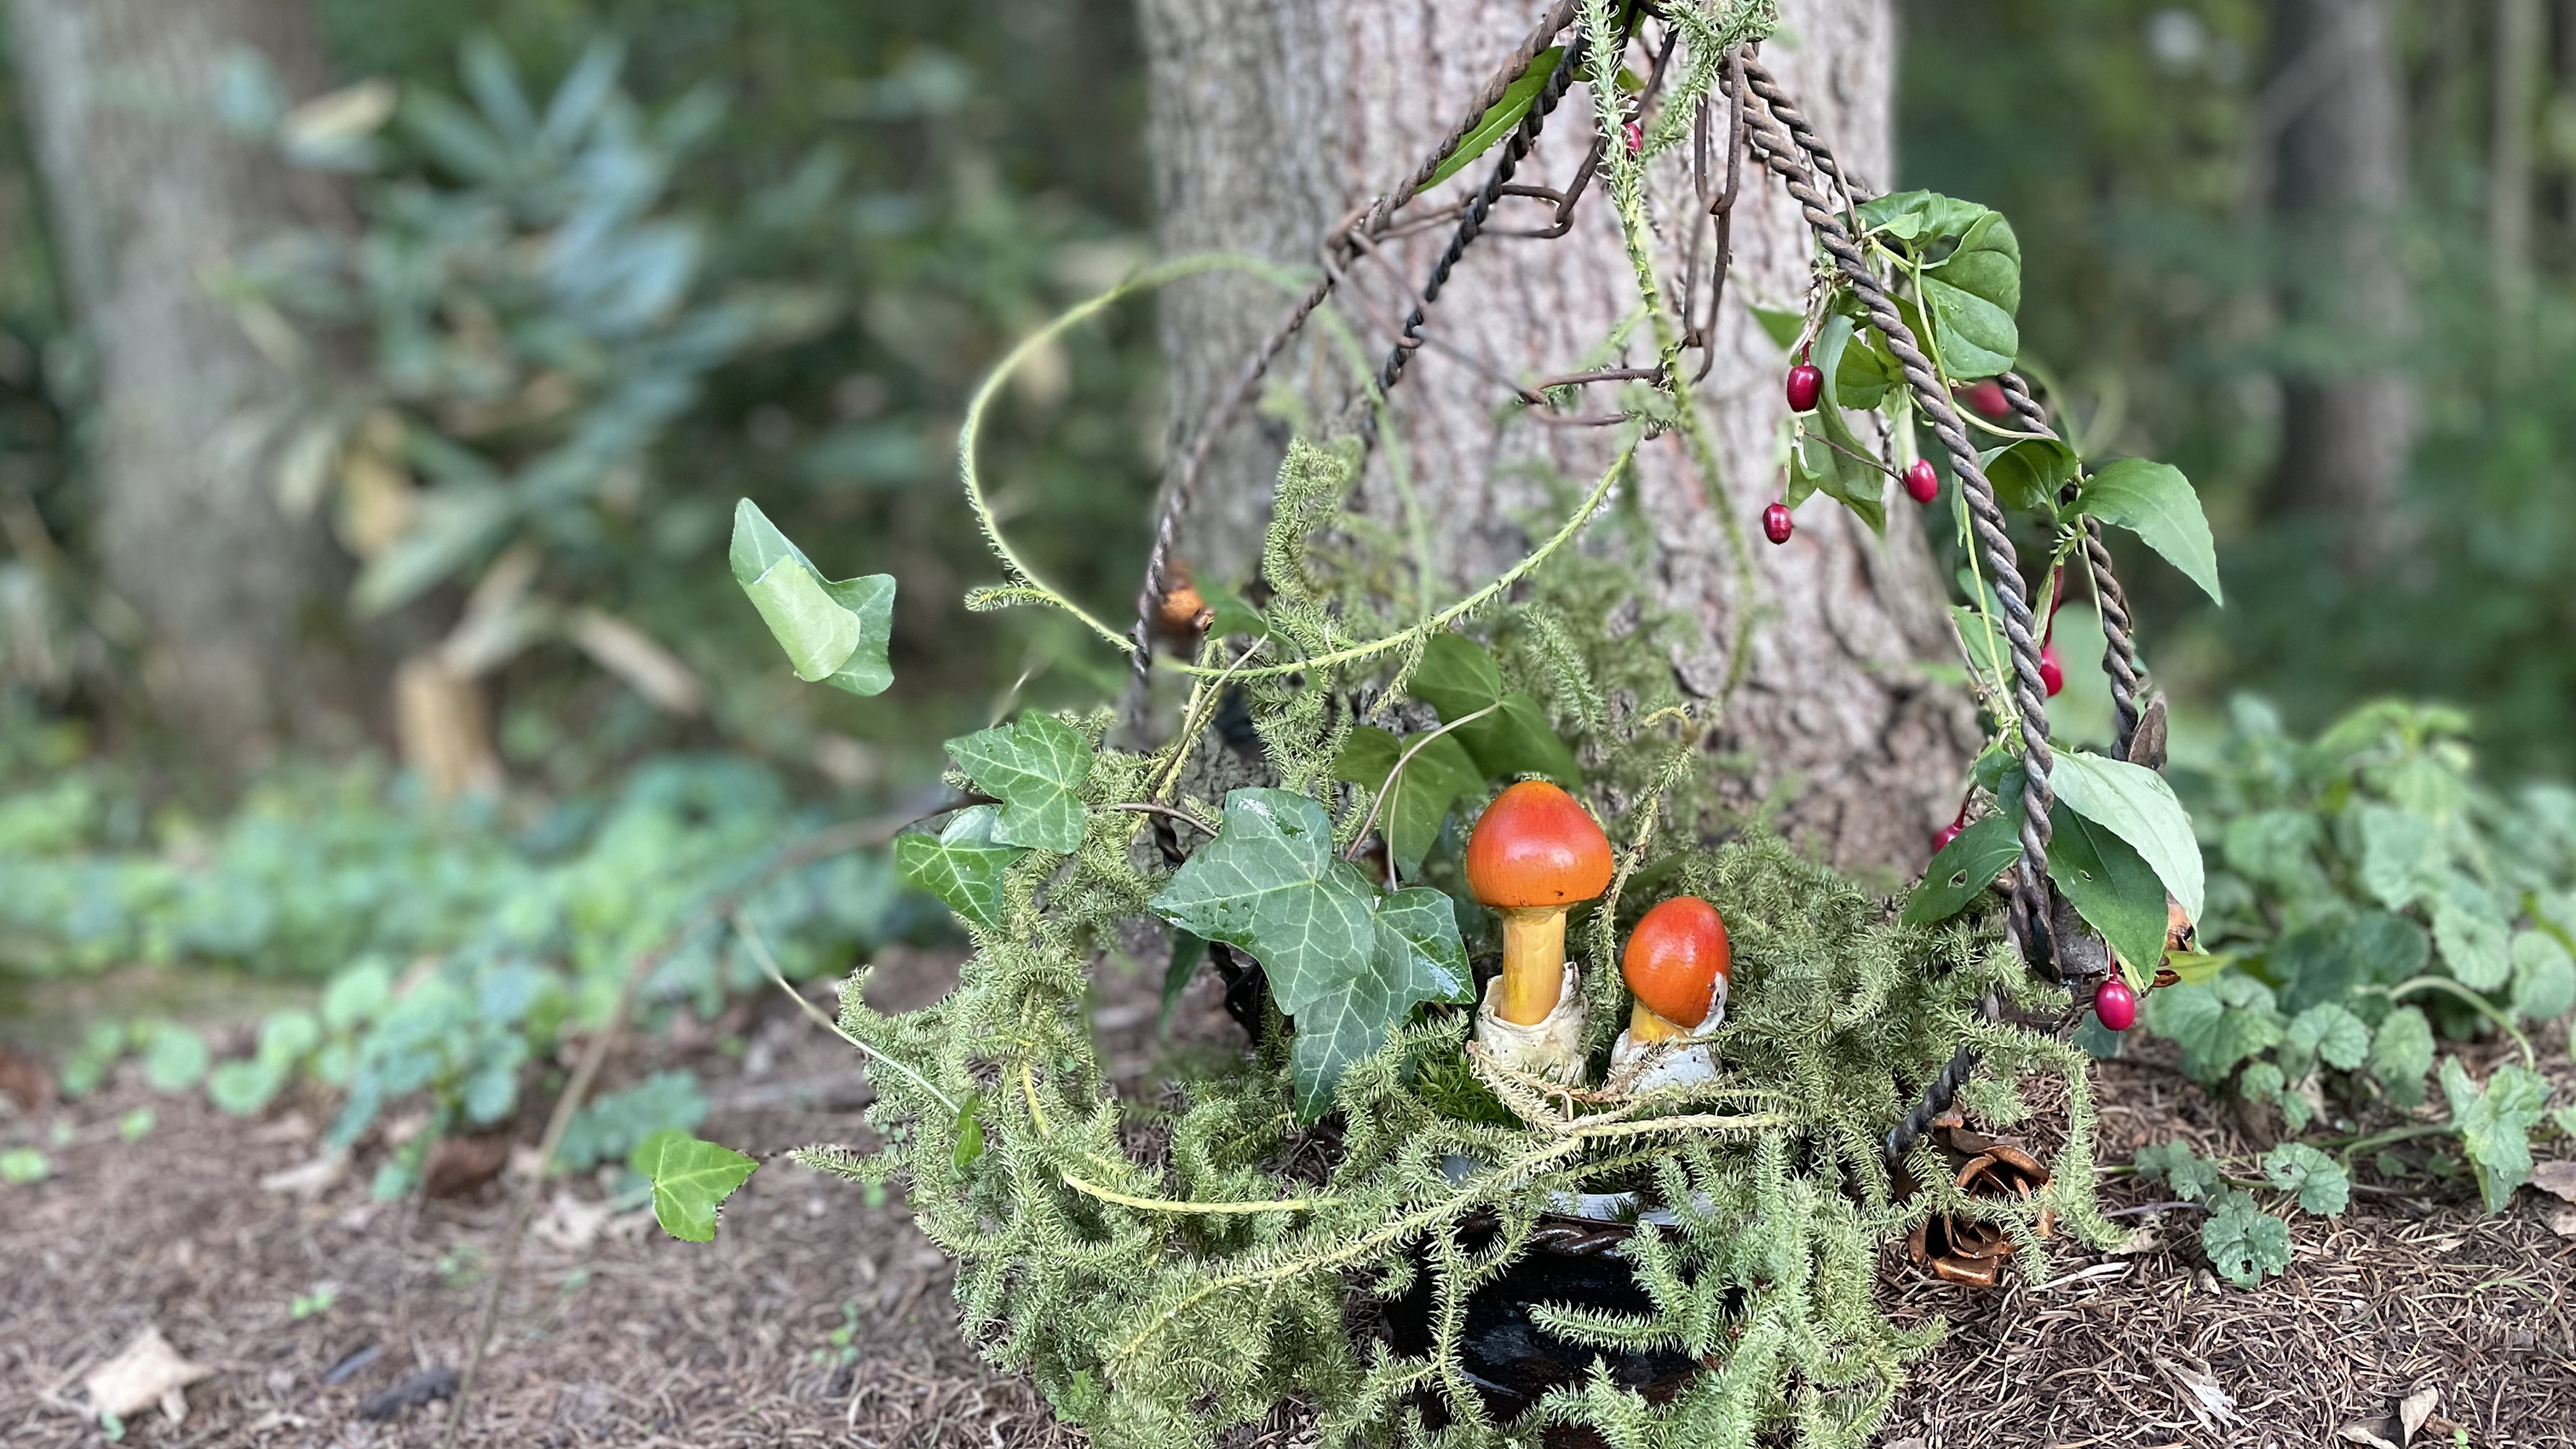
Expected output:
(2417, 1408)
(2558, 1179)
(148, 1372)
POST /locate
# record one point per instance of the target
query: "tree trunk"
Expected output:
(149, 197)
(1271, 121)
(2338, 108)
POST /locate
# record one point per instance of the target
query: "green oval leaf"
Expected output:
(1962, 870)
(2134, 803)
(2156, 502)
(1501, 116)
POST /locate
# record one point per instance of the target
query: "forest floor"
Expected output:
(311, 1304)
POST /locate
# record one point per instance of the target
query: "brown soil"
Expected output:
(634, 1339)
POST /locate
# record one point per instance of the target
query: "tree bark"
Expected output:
(148, 198)
(1272, 121)
(2337, 107)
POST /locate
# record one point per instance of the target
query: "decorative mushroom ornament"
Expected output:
(1534, 855)
(1678, 966)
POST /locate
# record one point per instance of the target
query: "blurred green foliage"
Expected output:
(2371, 898)
(2125, 139)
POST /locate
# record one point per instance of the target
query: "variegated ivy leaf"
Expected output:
(1035, 767)
(691, 1179)
(834, 632)
(1346, 963)
(961, 865)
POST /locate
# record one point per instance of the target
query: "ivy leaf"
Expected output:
(1418, 957)
(2401, 1054)
(1035, 767)
(1345, 962)
(2495, 1124)
(1439, 772)
(2191, 1176)
(1838, 461)
(2217, 1025)
(2323, 1187)
(961, 865)
(2330, 1032)
(2264, 1081)
(834, 632)
(2136, 804)
(2156, 502)
(2245, 1243)
(1501, 116)
(2110, 886)
(1962, 870)
(2544, 979)
(1864, 374)
(691, 1179)
(1457, 678)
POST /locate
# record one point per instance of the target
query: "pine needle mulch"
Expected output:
(613, 1334)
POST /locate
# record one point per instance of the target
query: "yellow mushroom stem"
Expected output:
(1645, 1026)
(1533, 963)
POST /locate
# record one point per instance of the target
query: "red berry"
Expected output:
(1636, 135)
(1988, 398)
(2052, 675)
(1921, 483)
(1775, 522)
(1806, 385)
(2115, 1004)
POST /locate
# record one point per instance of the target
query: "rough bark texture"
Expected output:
(149, 197)
(1273, 120)
(2339, 179)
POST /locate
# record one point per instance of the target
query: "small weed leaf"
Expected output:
(962, 865)
(2544, 978)
(2330, 1032)
(2191, 1176)
(22, 1165)
(2245, 1244)
(1962, 870)
(2401, 1055)
(834, 632)
(2474, 945)
(2156, 502)
(2216, 1025)
(2495, 1124)
(1035, 767)
(610, 1126)
(691, 1179)
(2322, 1186)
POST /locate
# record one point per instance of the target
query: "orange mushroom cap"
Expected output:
(1675, 958)
(1535, 847)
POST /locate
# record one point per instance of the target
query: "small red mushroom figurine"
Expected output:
(1677, 965)
(1534, 855)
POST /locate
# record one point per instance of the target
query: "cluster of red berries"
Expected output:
(1806, 388)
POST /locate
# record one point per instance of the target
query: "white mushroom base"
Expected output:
(1551, 1047)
